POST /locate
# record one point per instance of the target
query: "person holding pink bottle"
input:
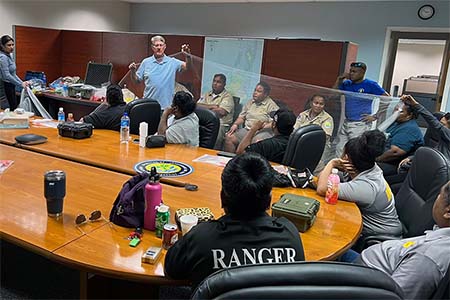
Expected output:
(364, 184)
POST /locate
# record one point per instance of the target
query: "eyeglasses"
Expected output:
(158, 45)
(81, 219)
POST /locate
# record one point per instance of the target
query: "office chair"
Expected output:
(299, 280)
(209, 125)
(305, 147)
(443, 289)
(414, 201)
(143, 110)
(237, 107)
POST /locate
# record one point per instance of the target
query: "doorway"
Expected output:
(417, 64)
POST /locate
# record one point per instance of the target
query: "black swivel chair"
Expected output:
(209, 125)
(414, 201)
(305, 147)
(144, 110)
(443, 289)
(237, 107)
(300, 280)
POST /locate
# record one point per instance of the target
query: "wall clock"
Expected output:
(426, 12)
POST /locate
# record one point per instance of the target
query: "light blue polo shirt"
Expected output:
(159, 78)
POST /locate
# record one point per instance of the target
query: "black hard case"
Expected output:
(75, 130)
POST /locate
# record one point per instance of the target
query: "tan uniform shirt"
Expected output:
(257, 111)
(223, 100)
(323, 119)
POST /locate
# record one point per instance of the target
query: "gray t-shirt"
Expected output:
(374, 198)
(184, 131)
(417, 264)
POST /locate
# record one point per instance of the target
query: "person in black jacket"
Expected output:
(273, 148)
(107, 116)
(441, 127)
(244, 235)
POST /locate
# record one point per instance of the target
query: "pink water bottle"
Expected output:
(331, 197)
(152, 195)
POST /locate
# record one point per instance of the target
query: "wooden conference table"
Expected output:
(103, 248)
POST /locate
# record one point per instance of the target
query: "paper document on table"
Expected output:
(281, 169)
(45, 123)
(213, 159)
(4, 164)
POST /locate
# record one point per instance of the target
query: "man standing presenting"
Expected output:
(358, 110)
(158, 72)
(221, 103)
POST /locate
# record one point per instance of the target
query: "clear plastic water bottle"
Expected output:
(61, 115)
(65, 90)
(331, 197)
(124, 128)
(44, 80)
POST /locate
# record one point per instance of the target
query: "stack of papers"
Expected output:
(49, 123)
(213, 159)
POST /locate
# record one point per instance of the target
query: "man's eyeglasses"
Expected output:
(81, 219)
(158, 45)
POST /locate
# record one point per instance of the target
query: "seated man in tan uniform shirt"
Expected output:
(219, 101)
(257, 109)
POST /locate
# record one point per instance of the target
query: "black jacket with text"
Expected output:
(226, 243)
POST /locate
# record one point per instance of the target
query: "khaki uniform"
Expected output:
(324, 120)
(223, 100)
(257, 111)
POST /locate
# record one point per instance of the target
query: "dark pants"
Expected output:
(10, 93)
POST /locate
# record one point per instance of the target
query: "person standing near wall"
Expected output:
(8, 71)
(158, 72)
(358, 111)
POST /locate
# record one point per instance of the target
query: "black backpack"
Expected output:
(128, 208)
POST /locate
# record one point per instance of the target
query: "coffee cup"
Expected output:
(187, 222)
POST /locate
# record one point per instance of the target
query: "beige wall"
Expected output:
(97, 15)
(416, 59)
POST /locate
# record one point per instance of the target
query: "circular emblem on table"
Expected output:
(166, 168)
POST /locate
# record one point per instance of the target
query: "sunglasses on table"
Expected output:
(81, 219)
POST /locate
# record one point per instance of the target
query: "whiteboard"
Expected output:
(238, 59)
